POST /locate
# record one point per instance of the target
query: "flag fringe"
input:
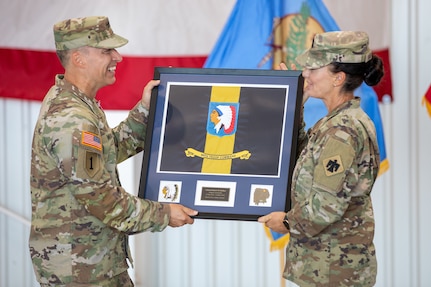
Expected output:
(427, 105)
(384, 167)
(279, 243)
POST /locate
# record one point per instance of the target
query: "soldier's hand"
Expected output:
(274, 221)
(283, 66)
(181, 215)
(146, 94)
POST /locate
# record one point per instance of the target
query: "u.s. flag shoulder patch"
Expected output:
(91, 140)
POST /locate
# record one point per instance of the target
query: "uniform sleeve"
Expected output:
(92, 185)
(130, 133)
(302, 136)
(123, 211)
(327, 196)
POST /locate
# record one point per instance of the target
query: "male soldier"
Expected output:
(81, 216)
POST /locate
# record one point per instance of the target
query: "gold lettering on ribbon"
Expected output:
(191, 152)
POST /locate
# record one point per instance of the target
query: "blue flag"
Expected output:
(260, 34)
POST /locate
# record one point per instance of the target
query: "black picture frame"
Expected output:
(222, 141)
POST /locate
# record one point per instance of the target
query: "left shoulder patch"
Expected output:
(91, 140)
(333, 165)
(336, 157)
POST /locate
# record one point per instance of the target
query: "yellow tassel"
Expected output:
(384, 166)
(278, 244)
(427, 105)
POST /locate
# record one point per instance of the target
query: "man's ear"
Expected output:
(77, 59)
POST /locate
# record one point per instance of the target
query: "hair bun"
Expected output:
(375, 71)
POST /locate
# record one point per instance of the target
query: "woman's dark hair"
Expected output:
(370, 72)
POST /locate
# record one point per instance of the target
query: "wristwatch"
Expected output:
(286, 223)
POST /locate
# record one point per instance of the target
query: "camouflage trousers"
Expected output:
(121, 280)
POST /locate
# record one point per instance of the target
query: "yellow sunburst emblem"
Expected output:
(292, 34)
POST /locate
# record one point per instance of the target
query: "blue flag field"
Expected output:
(259, 34)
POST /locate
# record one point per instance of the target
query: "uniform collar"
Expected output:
(353, 103)
(63, 84)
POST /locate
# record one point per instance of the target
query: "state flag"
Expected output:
(260, 34)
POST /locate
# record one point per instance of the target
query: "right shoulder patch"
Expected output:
(91, 140)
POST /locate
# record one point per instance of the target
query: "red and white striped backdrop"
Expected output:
(161, 33)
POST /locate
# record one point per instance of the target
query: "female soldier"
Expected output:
(331, 221)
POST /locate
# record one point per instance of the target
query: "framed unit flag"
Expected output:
(222, 141)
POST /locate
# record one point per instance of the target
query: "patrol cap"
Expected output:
(338, 46)
(93, 31)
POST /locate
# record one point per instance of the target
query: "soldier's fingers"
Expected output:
(151, 84)
(264, 219)
(189, 220)
(190, 212)
(149, 87)
(146, 94)
(283, 66)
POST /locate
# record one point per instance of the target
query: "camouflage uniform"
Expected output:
(331, 220)
(336, 46)
(93, 31)
(81, 216)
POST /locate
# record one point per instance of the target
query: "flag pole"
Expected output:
(282, 280)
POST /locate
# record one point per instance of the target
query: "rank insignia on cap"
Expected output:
(91, 140)
(333, 165)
